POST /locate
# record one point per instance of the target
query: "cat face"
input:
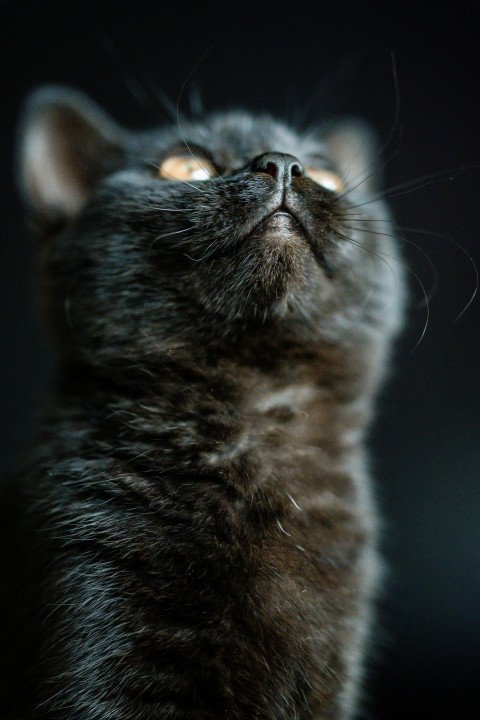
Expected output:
(216, 228)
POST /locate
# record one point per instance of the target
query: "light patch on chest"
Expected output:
(229, 452)
(293, 398)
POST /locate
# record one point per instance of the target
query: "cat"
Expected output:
(198, 530)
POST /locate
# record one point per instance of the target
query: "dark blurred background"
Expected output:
(413, 73)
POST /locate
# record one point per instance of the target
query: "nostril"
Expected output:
(296, 171)
(271, 169)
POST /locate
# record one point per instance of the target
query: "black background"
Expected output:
(312, 59)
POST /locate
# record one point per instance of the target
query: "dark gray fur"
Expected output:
(198, 533)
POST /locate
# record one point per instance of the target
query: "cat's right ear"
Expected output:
(66, 145)
(354, 149)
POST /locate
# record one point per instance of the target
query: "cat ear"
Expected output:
(66, 144)
(353, 148)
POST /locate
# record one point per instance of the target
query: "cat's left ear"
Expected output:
(353, 147)
(66, 144)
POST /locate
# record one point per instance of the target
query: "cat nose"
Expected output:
(281, 166)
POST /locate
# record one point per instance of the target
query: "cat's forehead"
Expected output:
(235, 138)
(247, 136)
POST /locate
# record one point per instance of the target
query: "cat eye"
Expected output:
(186, 167)
(326, 178)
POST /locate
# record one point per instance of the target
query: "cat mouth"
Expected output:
(282, 220)
(282, 223)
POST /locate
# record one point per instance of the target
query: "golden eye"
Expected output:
(186, 167)
(326, 178)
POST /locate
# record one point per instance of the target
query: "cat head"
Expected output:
(215, 230)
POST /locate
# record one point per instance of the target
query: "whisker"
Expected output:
(175, 232)
(432, 291)
(131, 81)
(192, 71)
(396, 119)
(330, 91)
(156, 166)
(369, 250)
(380, 152)
(427, 310)
(160, 95)
(411, 185)
(206, 256)
(182, 88)
(467, 255)
(174, 210)
(362, 217)
(185, 182)
(170, 234)
(412, 272)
